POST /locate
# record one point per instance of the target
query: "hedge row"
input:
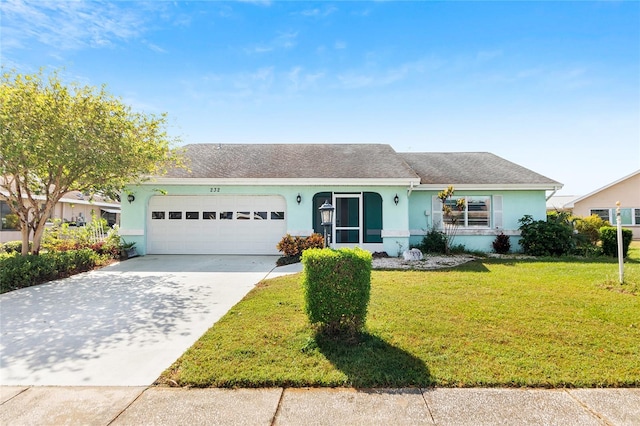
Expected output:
(18, 271)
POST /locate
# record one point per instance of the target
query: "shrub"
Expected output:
(502, 244)
(546, 238)
(12, 221)
(61, 237)
(609, 238)
(18, 271)
(293, 247)
(590, 227)
(434, 242)
(12, 247)
(336, 285)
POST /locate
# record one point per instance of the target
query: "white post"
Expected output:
(620, 246)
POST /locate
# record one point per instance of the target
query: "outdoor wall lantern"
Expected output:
(326, 215)
(396, 199)
(299, 198)
(131, 198)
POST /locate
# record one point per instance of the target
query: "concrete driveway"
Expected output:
(124, 324)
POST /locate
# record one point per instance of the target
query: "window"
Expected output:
(277, 215)
(226, 215)
(260, 215)
(192, 215)
(208, 215)
(629, 216)
(8, 220)
(478, 211)
(157, 215)
(175, 215)
(243, 215)
(603, 213)
(474, 213)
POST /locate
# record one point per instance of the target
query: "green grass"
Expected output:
(540, 323)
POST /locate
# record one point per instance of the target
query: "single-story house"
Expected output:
(73, 208)
(243, 198)
(603, 203)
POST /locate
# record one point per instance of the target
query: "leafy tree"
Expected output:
(56, 138)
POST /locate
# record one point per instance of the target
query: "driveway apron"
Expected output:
(121, 325)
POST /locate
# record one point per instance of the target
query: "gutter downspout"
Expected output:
(410, 190)
(555, 189)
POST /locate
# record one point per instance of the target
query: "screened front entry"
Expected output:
(357, 218)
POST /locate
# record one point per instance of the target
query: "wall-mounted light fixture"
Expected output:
(299, 198)
(396, 199)
(131, 198)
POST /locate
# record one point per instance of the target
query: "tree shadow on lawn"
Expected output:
(371, 362)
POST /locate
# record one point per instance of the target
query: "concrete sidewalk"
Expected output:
(278, 406)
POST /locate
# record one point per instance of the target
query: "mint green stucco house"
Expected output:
(243, 198)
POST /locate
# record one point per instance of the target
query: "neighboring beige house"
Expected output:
(603, 203)
(73, 207)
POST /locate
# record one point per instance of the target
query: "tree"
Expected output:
(57, 138)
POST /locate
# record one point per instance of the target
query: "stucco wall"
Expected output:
(627, 192)
(299, 217)
(515, 204)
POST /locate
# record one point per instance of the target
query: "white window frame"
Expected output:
(494, 212)
(635, 213)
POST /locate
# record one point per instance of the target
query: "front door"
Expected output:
(348, 219)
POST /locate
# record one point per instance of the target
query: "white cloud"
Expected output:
(70, 25)
(299, 80)
(256, 2)
(339, 45)
(155, 47)
(318, 13)
(377, 78)
(285, 40)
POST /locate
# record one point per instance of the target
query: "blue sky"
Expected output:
(553, 86)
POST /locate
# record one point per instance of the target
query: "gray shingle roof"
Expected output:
(350, 161)
(479, 168)
(293, 161)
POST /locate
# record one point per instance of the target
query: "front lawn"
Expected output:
(539, 323)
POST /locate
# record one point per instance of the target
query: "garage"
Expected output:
(215, 224)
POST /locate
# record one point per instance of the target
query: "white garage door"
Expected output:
(217, 224)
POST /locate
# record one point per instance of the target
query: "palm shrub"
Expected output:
(336, 286)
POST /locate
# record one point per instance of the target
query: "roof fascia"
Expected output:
(492, 187)
(71, 201)
(285, 182)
